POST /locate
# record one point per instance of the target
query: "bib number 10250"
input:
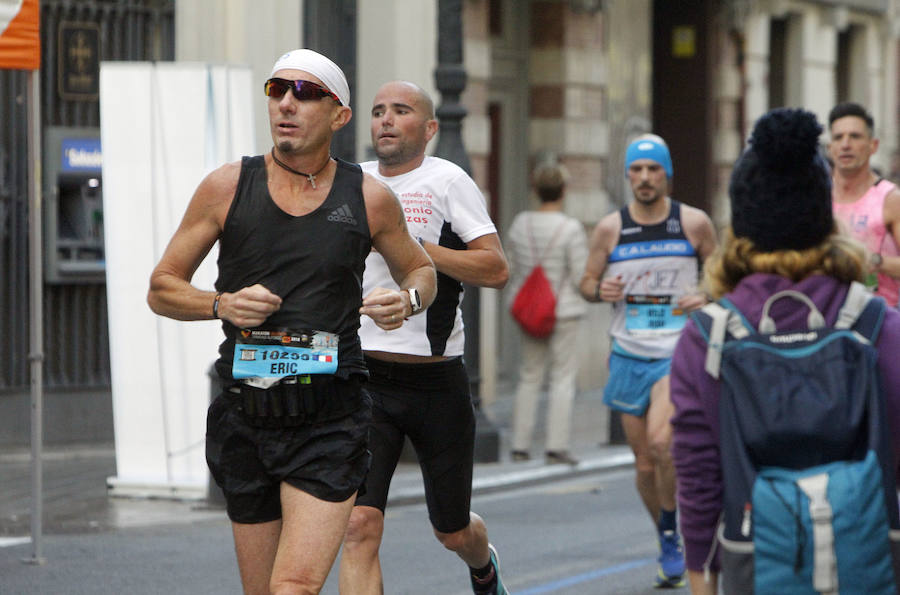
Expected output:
(276, 354)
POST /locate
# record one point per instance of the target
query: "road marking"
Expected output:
(585, 577)
(11, 541)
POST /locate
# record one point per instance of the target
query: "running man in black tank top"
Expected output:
(644, 260)
(294, 228)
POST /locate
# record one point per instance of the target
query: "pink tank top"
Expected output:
(864, 219)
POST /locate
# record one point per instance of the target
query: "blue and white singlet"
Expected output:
(658, 265)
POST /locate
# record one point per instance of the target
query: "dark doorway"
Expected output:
(778, 34)
(683, 95)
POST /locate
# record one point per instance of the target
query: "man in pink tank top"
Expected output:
(866, 205)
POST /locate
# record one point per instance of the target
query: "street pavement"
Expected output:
(75, 500)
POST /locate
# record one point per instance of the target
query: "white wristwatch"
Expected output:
(415, 300)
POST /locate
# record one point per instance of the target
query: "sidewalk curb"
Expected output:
(492, 483)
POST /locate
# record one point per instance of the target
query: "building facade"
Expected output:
(571, 80)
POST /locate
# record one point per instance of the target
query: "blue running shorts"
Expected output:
(630, 381)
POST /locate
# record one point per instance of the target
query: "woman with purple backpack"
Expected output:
(782, 237)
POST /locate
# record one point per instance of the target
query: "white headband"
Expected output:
(319, 66)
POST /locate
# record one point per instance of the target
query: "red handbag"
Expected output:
(534, 306)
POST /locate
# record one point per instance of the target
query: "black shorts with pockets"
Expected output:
(323, 451)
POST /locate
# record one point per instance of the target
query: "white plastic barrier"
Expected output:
(164, 126)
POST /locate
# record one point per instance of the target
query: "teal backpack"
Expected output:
(809, 503)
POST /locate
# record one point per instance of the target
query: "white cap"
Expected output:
(319, 66)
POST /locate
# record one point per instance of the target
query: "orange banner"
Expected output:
(20, 40)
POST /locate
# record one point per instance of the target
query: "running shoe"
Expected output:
(519, 456)
(560, 457)
(499, 589)
(671, 561)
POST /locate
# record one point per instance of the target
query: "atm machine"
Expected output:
(73, 206)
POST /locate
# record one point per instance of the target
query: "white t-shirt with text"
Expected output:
(444, 206)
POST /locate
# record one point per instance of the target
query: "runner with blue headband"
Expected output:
(649, 146)
(644, 259)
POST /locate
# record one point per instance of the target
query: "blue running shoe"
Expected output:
(499, 589)
(671, 561)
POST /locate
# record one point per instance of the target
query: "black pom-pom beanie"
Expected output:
(780, 187)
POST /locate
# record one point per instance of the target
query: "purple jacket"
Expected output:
(695, 395)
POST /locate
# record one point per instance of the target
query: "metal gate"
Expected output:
(76, 341)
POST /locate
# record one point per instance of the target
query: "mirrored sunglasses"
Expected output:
(302, 90)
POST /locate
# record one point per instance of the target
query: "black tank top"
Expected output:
(314, 262)
(670, 229)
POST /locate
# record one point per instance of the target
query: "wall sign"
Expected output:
(81, 155)
(684, 41)
(79, 61)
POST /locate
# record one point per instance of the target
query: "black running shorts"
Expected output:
(431, 404)
(325, 458)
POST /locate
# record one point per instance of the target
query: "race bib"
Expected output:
(653, 315)
(277, 354)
